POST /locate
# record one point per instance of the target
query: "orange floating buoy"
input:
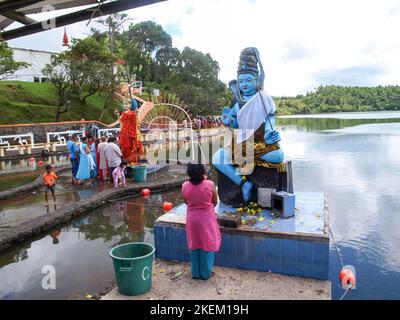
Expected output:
(40, 163)
(145, 192)
(347, 278)
(167, 206)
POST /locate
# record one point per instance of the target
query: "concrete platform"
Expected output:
(172, 281)
(297, 246)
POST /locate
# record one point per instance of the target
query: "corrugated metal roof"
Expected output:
(36, 7)
(18, 10)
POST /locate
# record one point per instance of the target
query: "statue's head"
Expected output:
(249, 78)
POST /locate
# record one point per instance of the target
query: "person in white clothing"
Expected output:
(114, 156)
(102, 150)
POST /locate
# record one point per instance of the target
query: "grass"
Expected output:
(29, 102)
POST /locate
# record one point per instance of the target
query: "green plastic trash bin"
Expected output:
(139, 173)
(133, 266)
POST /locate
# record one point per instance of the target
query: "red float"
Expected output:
(167, 206)
(40, 163)
(347, 278)
(145, 192)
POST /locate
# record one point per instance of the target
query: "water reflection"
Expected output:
(359, 171)
(311, 123)
(31, 164)
(79, 251)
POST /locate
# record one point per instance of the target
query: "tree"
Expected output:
(148, 37)
(8, 65)
(58, 71)
(81, 72)
(90, 71)
(167, 62)
(197, 82)
(198, 68)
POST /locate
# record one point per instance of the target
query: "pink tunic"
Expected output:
(202, 228)
(119, 175)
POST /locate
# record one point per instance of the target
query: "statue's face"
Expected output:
(247, 84)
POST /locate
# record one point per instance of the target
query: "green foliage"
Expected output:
(81, 72)
(7, 63)
(83, 84)
(342, 99)
(28, 102)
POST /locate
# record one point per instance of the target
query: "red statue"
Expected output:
(129, 140)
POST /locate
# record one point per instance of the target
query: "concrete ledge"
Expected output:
(297, 246)
(37, 183)
(25, 230)
(172, 281)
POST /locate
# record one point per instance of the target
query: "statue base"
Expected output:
(297, 246)
(231, 194)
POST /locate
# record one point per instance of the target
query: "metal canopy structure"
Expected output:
(18, 10)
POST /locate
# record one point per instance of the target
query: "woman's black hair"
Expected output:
(123, 163)
(196, 172)
(84, 139)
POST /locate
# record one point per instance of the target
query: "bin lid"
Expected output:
(153, 249)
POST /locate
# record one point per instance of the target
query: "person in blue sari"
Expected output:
(85, 161)
(93, 151)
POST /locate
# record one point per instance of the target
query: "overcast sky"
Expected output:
(302, 43)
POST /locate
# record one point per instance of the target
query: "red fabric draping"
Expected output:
(131, 146)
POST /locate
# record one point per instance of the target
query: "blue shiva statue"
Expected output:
(252, 112)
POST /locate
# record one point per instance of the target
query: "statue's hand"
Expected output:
(272, 137)
(226, 116)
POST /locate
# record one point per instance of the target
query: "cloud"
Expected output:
(296, 51)
(300, 42)
(189, 10)
(395, 11)
(351, 76)
(174, 29)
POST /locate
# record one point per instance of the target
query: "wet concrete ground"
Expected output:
(172, 281)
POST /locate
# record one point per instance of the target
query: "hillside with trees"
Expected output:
(341, 99)
(83, 81)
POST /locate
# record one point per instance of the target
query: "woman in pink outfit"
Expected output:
(202, 230)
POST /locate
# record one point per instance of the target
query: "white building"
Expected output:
(37, 60)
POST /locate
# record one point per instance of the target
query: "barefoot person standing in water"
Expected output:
(202, 230)
(49, 182)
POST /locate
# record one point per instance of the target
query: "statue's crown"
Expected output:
(248, 62)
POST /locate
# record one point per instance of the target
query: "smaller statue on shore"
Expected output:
(129, 136)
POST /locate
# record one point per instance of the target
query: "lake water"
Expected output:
(355, 158)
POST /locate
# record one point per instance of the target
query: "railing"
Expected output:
(63, 136)
(21, 138)
(107, 132)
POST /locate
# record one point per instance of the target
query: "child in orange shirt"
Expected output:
(49, 182)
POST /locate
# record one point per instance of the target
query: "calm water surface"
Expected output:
(355, 158)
